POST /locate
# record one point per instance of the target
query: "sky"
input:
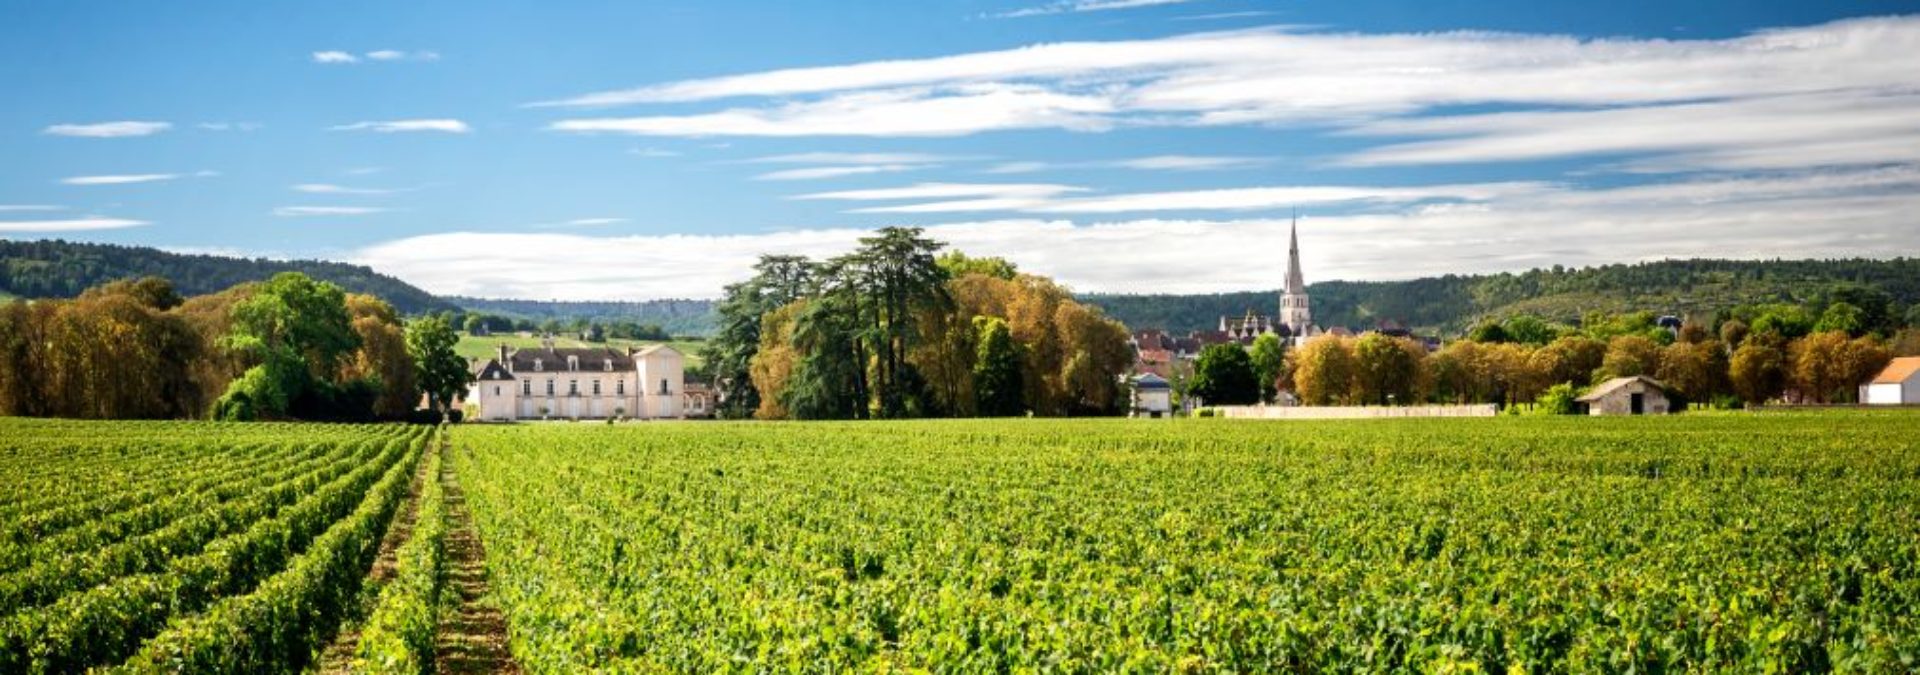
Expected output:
(640, 150)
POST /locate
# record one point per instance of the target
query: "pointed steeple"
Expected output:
(1296, 282)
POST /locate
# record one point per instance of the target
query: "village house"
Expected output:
(583, 383)
(1636, 395)
(1152, 396)
(1897, 384)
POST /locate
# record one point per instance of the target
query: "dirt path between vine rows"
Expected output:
(473, 633)
(337, 656)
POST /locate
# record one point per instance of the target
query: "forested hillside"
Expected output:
(678, 317)
(1453, 302)
(61, 269)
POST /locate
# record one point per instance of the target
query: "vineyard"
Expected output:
(1749, 543)
(186, 547)
(1738, 544)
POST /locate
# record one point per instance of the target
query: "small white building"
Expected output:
(1152, 396)
(1897, 384)
(580, 383)
(1637, 395)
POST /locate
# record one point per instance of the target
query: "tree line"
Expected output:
(291, 347)
(896, 329)
(1746, 355)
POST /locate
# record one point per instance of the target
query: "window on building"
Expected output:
(536, 365)
(663, 385)
(620, 387)
(596, 387)
(573, 387)
(549, 387)
(496, 390)
(526, 387)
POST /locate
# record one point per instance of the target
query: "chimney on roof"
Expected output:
(503, 353)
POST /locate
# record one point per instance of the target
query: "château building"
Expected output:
(585, 383)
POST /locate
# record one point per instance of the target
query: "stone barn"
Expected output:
(1637, 395)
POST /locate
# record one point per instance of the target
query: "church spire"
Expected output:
(1296, 282)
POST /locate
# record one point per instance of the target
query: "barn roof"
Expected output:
(1610, 386)
(1899, 370)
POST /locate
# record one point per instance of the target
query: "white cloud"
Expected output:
(859, 158)
(1224, 15)
(1055, 199)
(85, 224)
(1823, 95)
(301, 211)
(580, 222)
(229, 126)
(654, 153)
(1815, 214)
(386, 55)
(108, 129)
(820, 172)
(119, 180)
(1066, 6)
(1154, 163)
(30, 207)
(451, 126)
(331, 189)
(334, 56)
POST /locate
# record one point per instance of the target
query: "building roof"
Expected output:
(1898, 370)
(1609, 386)
(494, 372)
(555, 359)
(1150, 381)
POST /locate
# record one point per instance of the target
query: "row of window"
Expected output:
(573, 387)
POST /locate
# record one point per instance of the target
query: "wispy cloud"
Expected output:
(331, 189)
(579, 222)
(1216, 16)
(303, 211)
(30, 207)
(335, 56)
(451, 126)
(1067, 6)
(1062, 199)
(1816, 214)
(860, 158)
(1832, 94)
(654, 153)
(821, 172)
(229, 126)
(1153, 163)
(124, 179)
(108, 129)
(85, 224)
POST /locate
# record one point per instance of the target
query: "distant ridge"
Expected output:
(61, 269)
(1454, 302)
(677, 316)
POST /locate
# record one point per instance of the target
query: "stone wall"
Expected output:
(1275, 412)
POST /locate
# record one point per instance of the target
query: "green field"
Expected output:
(487, 347)
(1725, 543)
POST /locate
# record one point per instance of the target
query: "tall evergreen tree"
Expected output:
(996, 369)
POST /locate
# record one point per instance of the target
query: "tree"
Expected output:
(896, 272)
(1913, 316)
(996, 370)
(1826, 367)
(1630, 355)
(1733, 332)
(441, 372)
(1692, 370)
(1758, 370)
(476, 325)
(1570, 359)
(293, 331)
(1528, 329)
(958, 264)
(1224, 375)
(1388, 369)
(1323, 371)
(1787, 321)
(1488, 332)
(778, 281)
(1269, 359)
(382, 359)
(774, 361)
(1844, 318)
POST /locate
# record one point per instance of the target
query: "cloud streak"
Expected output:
(450, 126)
(1076, 6)
(85, 224)
(1815, 214)
(311, 211)
(126, 129)
(126, 179)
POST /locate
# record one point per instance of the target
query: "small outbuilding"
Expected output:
(1152, 396)
(1637, 395)
(1897, 384)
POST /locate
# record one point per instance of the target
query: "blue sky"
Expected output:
(627, 150)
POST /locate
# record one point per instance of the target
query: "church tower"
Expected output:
(1294, 312)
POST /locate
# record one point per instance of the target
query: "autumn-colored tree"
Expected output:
(1732, 333)
(1324, 371)
(1827, 367)
(382, 356)
(1570, 359)
(1388, 369)
(1758, 370)
(1693, 370)
(1630, 355)
(773, 361)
